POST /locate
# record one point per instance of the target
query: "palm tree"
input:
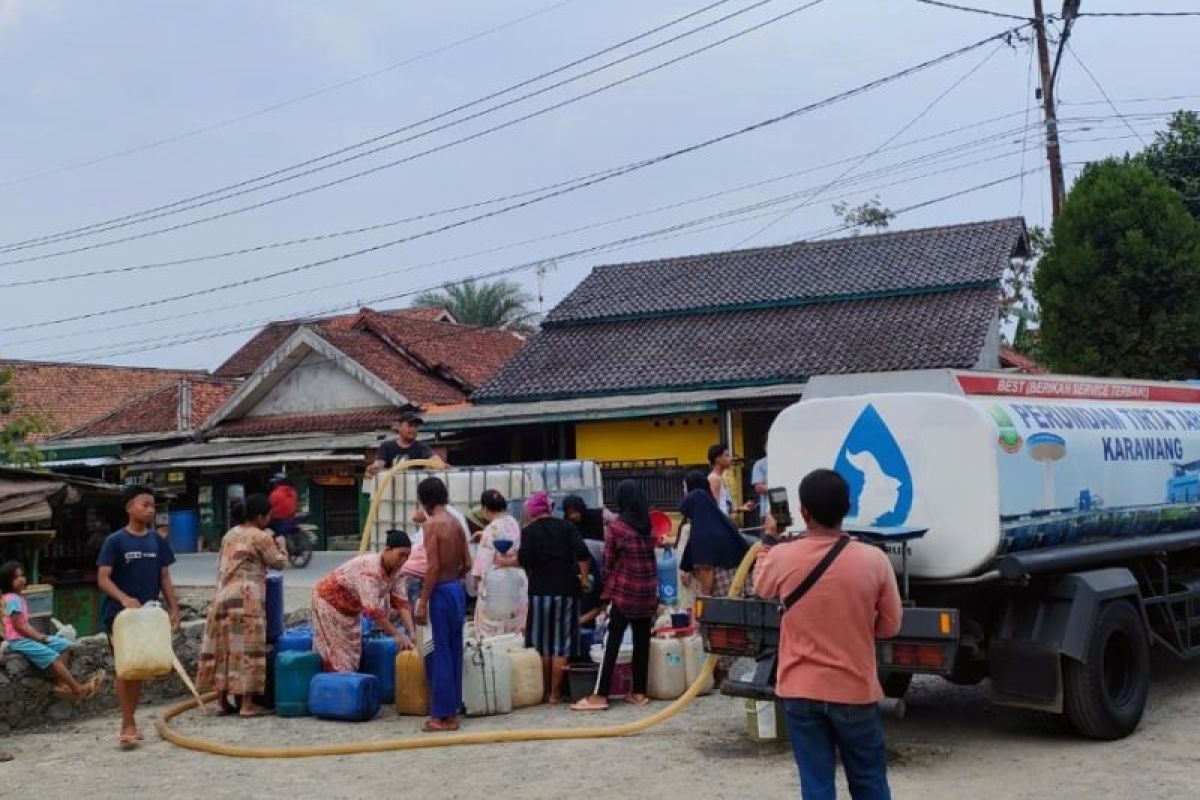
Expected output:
(499, 304)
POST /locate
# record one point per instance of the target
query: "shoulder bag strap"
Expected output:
(811, 579)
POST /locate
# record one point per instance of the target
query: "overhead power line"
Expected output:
(291, 101)
(867, 156)
(973, 10)
(897, 168)
(307, 167)
(143, 346)
(771, 121)
(1140, 14)
(1100, 88)
(250, 249)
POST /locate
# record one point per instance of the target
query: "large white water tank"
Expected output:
(996, 463)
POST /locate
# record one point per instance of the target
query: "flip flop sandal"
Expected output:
(262, 712)
(128, 740)
(637, 701)
(439, 727)
(584, 705)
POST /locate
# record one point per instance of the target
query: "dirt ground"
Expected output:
(952, 744)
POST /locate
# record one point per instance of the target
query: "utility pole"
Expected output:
(1053, 152)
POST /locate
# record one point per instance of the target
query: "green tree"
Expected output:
(16, 428)
(499, 304)
(1175, 155)
(1119, 286)
(872, 215)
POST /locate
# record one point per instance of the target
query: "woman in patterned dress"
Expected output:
(371, 585)
(233, 656)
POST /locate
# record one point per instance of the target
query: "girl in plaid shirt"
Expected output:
(631, 589)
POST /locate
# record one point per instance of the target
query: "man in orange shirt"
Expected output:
(283, 499)
(827, 676)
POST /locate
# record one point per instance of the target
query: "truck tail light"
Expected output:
(913, 656)
(728, 640)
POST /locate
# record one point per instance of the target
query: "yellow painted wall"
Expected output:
(650, 438)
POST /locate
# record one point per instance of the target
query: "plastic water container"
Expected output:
(505, 590)
(668, 676)
(379, 659)
(622, 681)
(587, 637)
(506, 642)
(528, 685)
(298, 639)
(765, 721)
(694, 659)
(412, 691)
(274, 606)
(581, 679)
(183, 531)
(668, 577)
(624, 655)
(142, 643)
(487, 679)
(294, 672)
(346, 696)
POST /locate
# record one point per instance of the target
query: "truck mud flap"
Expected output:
(1039, 627)
(759, 686)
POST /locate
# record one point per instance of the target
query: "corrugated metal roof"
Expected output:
(606, 407)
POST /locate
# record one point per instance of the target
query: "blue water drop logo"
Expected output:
(870, 460)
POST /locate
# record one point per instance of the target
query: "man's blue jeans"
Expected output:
(819, 731)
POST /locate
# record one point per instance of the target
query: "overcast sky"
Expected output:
(86, 81)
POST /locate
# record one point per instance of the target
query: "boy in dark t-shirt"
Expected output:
(135, 569)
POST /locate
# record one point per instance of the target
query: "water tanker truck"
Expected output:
(1045, 529)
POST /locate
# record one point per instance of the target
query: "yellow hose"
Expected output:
(452, 739)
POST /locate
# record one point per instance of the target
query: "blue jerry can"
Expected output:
(379, 659)
(347, 696)
(274, 606)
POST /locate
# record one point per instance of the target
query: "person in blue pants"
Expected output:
(443, 604)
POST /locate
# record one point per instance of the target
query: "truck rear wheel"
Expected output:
(1104, 698)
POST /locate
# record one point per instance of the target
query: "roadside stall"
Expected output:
(55, 524)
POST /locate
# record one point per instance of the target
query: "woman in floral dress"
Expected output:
(233, 656)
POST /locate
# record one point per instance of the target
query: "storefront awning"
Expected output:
(101, 461)
(625, 406)
(243, 452)
(265, 458)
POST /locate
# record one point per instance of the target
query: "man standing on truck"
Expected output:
(840, 596)
(404, 447)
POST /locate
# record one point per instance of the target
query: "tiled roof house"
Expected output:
(343, 375)
(644, 365)
(69, 395)
(892, 301)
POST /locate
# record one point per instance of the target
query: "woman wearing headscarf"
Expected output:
(371, 585)
(233, 654)
(631, 590)
(556, 562)
(715, 547)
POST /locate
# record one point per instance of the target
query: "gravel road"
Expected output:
(952, 744)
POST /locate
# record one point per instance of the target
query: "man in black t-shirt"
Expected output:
(404, 447)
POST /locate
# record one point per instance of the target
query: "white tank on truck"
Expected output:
(992, 463)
